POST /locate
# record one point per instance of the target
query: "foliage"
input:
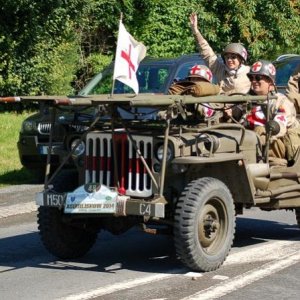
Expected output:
(266, 29)
(55, 46)
(164, 27)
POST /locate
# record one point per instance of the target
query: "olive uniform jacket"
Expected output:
(230, 81)
(293, 89)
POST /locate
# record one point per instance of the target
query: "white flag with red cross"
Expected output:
(128, 57)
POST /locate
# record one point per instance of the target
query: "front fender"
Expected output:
(215, 158)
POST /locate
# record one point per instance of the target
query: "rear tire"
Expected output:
(64, 239)
(204, 224)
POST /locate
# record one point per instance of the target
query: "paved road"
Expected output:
(264, 262)
(18, 199)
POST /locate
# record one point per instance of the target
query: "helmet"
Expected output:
(201, 71)
(263, 67)
(238, 49)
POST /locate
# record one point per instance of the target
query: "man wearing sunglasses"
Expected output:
(231, 73)
(285, 143)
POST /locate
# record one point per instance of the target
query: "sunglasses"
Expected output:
(256, 77)
(230, 56)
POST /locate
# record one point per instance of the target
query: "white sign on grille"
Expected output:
(101, 201)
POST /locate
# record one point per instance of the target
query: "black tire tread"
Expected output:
(60, 238)
(184, 223)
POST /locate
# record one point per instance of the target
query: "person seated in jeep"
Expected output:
(285, 143)
(198, 83)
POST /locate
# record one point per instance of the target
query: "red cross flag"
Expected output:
(128, 57)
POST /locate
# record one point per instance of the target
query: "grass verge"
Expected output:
(11, 170)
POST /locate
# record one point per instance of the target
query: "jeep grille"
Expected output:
(100, 167)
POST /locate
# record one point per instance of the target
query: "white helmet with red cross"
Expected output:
(265, 68)
(201, 71)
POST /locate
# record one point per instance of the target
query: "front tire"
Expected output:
(204, 224)
(65, 239)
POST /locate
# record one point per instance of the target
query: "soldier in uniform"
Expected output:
(231, 74)
(293, 89)
(285, 143)
(197, 83)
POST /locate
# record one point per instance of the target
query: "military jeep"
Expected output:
(152, 160)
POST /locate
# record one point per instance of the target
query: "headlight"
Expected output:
(80, 148)
(28, 126)
(160, 151)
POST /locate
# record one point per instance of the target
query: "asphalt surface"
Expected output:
(18, 199)
(263, 263)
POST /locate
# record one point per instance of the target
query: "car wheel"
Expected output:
(204, 224)
(60, 236)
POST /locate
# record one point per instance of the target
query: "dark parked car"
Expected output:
(154, 76)
(285, 65)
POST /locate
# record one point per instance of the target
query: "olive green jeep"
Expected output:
(151, 160)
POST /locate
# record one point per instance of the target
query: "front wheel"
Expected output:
(62, 238)
(204, 224)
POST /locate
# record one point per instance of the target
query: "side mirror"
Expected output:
(272, 127)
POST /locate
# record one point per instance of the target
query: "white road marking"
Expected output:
(5, 269)
(277, 255)
(115, 266)
(265, 251)
(220, 277)
(193, 274)
(122, 286)
(247, 278)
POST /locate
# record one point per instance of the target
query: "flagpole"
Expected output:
(113, 83)
(112, 88)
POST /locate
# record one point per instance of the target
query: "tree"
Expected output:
(55, 46)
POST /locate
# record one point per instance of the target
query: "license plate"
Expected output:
(44, 150)
(101, 201)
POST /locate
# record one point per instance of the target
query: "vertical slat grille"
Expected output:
(132, 175)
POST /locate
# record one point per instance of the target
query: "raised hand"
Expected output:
(194, 22)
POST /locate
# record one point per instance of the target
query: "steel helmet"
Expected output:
(238, 49)
(201, 71)
(263, 67)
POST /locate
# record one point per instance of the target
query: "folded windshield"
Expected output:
(151, 79)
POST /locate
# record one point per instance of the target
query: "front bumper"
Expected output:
(105, 204)
(33, 155)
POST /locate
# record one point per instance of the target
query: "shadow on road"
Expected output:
(253, 231)
(133, 250)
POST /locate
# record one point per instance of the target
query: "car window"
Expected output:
(284, 71)
(151, 79)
